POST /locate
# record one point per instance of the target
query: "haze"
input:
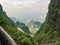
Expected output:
(26, 10)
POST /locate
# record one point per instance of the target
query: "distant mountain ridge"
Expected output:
(16, 19)
(34, 26)
(19, 37)
(27, 28)
(23, 27)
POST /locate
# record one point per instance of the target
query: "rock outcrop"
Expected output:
(53, 16)
(50, 29)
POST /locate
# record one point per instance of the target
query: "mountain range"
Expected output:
(23, 27)
(34, 26)
(31, 27)
(9, 26)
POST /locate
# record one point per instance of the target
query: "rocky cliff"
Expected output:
(50, 29)
(54, 14)
(34, 26)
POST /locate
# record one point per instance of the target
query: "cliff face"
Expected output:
(34, 26)
(53, 16)
(50, 29)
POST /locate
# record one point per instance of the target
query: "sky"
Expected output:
(26, 10)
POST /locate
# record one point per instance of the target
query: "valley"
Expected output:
(34, 32)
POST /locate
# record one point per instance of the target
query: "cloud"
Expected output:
(26, 9)
(17, 2)
(23, 3)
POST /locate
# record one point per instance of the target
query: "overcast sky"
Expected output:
(26, 9)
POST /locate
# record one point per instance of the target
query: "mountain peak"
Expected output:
(1, 8)
(34, 26)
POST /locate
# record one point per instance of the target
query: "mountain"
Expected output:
(10, 21)
(14, 19)
(50, 29)
(19, 37)
(34, 26)
(23, 27)
(1, 10)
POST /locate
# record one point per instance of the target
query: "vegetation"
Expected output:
(19, 37)
(50, 29)
(23, 27)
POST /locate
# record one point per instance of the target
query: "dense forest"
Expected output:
(50, 29)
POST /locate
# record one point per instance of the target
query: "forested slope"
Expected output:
(50, 29)
(19, 37)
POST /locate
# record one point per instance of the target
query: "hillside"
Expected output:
(50, 29)
(9, 20)
(23, 27)
(19, 37)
